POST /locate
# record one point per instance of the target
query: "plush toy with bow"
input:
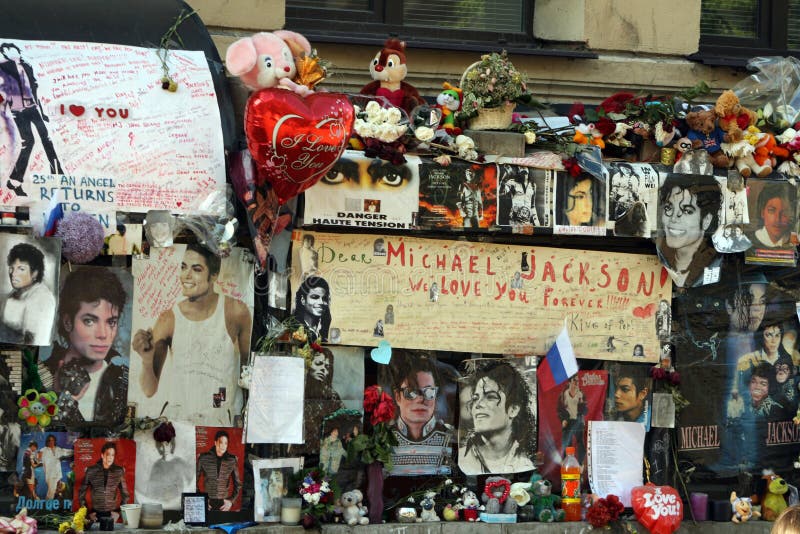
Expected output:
(388, 70)
(449, 101)
(267, 60)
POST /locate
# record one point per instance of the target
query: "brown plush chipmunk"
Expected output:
(388, 70)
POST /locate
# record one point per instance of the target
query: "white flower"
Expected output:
(393, 115)
(315, 498)
(519, 492)
(324, 487)
(424, 134)
(410, 499)
(373, 108)
(307, 497)
(530, 137)
(443, 160)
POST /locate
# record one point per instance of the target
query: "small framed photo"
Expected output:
(194, 507)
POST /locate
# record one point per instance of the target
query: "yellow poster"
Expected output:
(357, 289)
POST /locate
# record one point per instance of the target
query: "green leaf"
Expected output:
(591, 115)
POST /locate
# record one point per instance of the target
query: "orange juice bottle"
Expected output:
(571, 486)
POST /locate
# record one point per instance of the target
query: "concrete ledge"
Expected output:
(461, 527)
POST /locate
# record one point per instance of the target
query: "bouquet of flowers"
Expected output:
(605, 513)
(379, 131)
(377, 445)
(319, 494)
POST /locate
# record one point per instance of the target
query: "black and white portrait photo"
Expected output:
(731, 238)
(164, 469)
(498, 416)
(632, 199)
(523, 196)
(28, 289)
(689, 212)
(272, 480)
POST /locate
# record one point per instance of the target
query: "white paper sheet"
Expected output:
(616, 450)
(275, 408)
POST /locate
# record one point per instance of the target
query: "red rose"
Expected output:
(616, 103)
(164, 432)
(384, 412)
(316, 347)
(658, 373)
(605, 126)
(675, 378)
(372, 396)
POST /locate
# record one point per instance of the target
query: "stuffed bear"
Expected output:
(734, 118)
(544, 502)
(388, 70)
(495, 493)
(352, 510)
(449, 101)
(704, 133)
(268, 60)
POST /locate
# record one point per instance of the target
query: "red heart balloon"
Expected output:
(659, 508)
(296, 140)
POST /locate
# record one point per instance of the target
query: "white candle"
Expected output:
(290, 511)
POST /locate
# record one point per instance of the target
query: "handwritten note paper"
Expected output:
(275, 408)
(116, 138)
(616, 449)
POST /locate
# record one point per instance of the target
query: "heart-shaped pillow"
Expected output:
(296, 140)
(659, 508)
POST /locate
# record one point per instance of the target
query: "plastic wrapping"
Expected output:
(215, 225)
(775, 87)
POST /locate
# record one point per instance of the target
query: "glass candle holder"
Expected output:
(290, 511)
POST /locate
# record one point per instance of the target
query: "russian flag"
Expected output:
(54, 214)
(559, 364)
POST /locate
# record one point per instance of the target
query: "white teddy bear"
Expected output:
(353, 511)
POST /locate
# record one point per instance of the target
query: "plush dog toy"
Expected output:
(770, 491)
(388, 70)
(268, 60)
(742, 508)
(352, 510)
(428, 506)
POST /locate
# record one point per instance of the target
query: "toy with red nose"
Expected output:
(388, 70)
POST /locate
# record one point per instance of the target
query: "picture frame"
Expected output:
(193, 509)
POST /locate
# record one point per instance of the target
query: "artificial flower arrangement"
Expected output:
(492, 82)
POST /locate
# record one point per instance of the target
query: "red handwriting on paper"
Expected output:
(157, 287)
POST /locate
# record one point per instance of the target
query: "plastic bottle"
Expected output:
(571, 486)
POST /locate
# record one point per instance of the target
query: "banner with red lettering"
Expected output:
(476, 297)
(736, 348)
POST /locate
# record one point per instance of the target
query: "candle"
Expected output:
(290, 511)
(699, 502)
